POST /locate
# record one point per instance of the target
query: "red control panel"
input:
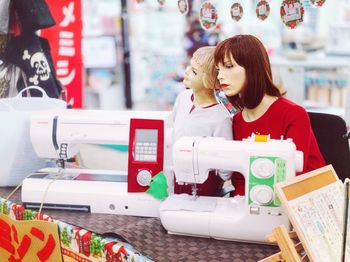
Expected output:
(146, 149)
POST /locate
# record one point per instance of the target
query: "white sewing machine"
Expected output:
(245, 218)
(57, 136)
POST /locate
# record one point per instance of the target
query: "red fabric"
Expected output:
(15, 29)
(210, 187)
(283, 118)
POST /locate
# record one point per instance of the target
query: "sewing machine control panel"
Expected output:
(146, 147)
(264, 173)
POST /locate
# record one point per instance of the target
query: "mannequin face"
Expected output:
(231, 77)
(193, 78)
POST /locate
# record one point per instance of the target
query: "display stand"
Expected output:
(314, 203)
(291, 247)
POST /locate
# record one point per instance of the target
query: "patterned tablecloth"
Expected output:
(149, 237)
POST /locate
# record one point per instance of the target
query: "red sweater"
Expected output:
(282, 118)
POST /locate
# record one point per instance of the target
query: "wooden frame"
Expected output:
(291, 248)
(294, 245)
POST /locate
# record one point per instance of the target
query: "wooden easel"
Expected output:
(291, 247)
(294, 246)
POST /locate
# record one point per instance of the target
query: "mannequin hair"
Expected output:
(204, 57)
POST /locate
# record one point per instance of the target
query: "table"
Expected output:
(149, 237)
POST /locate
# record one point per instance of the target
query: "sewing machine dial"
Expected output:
(144, 178)
(262, 195)
(263, 168)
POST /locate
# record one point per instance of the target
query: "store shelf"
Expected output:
(319, 83)
(313, 61)
(311, 106)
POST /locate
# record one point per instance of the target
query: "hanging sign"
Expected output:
(262, 10)
(318, 3)
(183, 6)
(161, 2)
(236, 11)
(208, 16)
(65, 41)
(292, 13)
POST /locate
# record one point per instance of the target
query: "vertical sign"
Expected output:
(65, 41)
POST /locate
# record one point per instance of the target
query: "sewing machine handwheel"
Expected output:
(263, 168)
(144, 178)
(262, 195)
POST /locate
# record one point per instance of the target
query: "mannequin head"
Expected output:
(204, 58)
(247, 52)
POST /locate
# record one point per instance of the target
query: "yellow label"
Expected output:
(29, 240)
(261, 138)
